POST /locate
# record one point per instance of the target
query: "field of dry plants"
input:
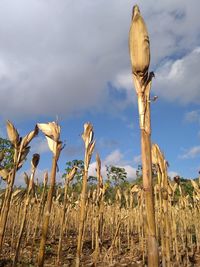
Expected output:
(153, 224)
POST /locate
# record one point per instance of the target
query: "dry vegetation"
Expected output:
(47, 225)
(108, 233)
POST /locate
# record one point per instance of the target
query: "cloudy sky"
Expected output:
(69, 60)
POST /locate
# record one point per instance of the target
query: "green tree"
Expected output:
(6, 154)
(116, 175)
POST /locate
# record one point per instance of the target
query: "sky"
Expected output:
(69, 60)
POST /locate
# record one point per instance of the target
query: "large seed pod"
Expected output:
(139, 45)
(51, 130)
(12, 133)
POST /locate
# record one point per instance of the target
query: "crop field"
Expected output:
(109, 220)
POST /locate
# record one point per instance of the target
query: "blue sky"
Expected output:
(69, 59)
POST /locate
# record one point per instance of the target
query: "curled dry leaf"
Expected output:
(52, 145)
(89, 152)
(87, 135)
(28, 138)
(23, 156)
(71, 174)
(135, 189)
(12, 133)
(51, 129)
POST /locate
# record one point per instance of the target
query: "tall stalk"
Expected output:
(89, 147)
(52, 132)
(140, 60)
(21, 150)
(39, 212)
(34, 163)
(68, 178)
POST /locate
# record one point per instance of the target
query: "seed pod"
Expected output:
(12, 134)
(139, 45)
(35, 160)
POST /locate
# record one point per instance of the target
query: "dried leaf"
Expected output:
(87, 135)
(26, 178)
(71, 174)
(52, 145)
(24, 154)
(27, 138)
(51, 130)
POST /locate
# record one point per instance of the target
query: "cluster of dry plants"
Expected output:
(145, 225)
(89, 230)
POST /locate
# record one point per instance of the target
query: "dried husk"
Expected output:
(139, 45)
(12, 133)
(51, 130)
(87, 135)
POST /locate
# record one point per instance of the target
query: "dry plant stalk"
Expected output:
(68, 179)
(159, 160)
(140, 59)
(87, 137)
(30, 192)
(39, 212)
(52, 133)
(99, 210)
(21, 150)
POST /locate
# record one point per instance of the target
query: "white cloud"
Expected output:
(172, 174)
(192, 116)
(39, 175)
(191, 153)
(56, 57)
(115, 158)
(179, 80)
(39, 145)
